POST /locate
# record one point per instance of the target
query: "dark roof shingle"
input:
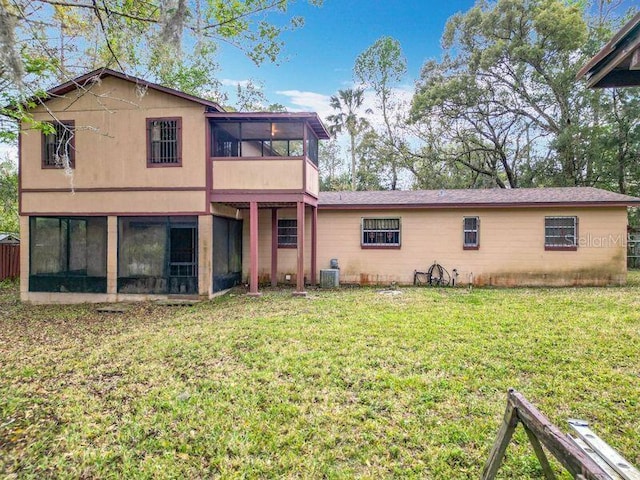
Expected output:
(497, 197)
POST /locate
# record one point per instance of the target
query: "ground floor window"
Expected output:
(380, 233)
(287, 233)
(470, 232)
(227, 253)
(560, 233)
(68, 254)
(158, 255)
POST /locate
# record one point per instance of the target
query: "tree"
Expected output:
(8, 196)
(333, 176)
(381, 67)
(51, 41)
(251, 98)
(347, 103)
(507, 96)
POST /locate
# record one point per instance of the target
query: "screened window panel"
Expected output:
(142, 248)
(48, 245)
(68, 254)
(235, 246)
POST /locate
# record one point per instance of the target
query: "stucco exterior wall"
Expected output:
(511, 248)
(257, 174)
(287, 257)
(511, 251)
(313, 180)
(111, 153)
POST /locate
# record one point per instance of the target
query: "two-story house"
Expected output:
(140, 190)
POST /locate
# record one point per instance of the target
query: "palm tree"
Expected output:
(347, 103)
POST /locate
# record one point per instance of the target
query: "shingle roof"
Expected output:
(497, 197)
(88, 78)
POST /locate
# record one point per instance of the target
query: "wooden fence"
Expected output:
(9, 261)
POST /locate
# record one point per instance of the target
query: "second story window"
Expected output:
(164, 142)
(58, 146)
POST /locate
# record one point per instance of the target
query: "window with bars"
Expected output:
(59, 145)
(560, 233)
(381, 232)
(164, 142)
(287, 233)
(471, 233)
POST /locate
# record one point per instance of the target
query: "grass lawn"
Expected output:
(347, 383)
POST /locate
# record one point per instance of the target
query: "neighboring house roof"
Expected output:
(311, 117)
(497, 197)
(88, 79)
(9, 238)
(618, 63)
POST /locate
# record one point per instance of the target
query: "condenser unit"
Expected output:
(330, 278)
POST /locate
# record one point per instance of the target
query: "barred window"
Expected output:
(560, 233)
(287, 233)
(164, 142)
(471, 232)
(59, 145)
(380, 232)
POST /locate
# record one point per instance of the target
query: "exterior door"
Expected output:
(227, 253)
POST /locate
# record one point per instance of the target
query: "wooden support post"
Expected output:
(253, 249)
(314, 245)
(300, 275)
(274, 247)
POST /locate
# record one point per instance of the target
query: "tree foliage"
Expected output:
(510, 108)
(381, 67)
(8, 196)
(347, 104)
(172, 42)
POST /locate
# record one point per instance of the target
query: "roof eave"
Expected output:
(460, 205)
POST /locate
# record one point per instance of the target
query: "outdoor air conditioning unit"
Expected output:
(330, 278)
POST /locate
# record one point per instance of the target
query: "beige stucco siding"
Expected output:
(287, 257)
(110, 140)
(257, 174)
(511, 247)
(123, 203)
(313, 181)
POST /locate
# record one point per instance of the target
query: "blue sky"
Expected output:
(318, 58)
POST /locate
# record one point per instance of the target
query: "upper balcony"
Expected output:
(266, 153)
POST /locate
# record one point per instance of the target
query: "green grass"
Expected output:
(347, 383)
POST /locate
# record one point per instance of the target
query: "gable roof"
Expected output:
(495, 198)
(617, 64)
(88, 78)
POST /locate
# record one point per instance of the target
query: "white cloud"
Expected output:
(308, 102)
